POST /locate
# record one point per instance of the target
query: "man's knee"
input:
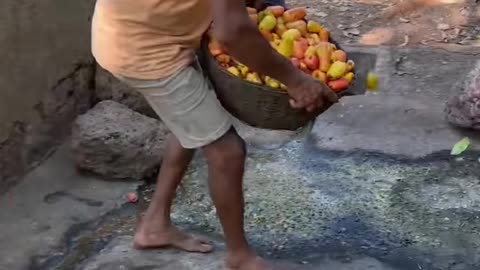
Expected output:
(226, 150)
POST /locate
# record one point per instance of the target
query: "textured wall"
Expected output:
(46, 77)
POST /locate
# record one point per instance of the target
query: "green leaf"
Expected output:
(460, 146)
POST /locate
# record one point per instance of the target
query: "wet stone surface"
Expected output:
(304, 204)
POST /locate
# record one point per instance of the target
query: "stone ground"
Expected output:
(454, 27)
(371, 187)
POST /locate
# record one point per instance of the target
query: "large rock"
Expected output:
(463, 109)
(107, 87)
(113, 141)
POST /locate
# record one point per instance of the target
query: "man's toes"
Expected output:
(195, 245)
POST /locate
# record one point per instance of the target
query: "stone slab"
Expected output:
(396, 125)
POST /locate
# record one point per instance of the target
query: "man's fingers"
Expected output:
(295, 104)
(311, 108)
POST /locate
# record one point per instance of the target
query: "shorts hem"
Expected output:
(199, 143)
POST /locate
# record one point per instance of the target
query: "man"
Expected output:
(150, 45)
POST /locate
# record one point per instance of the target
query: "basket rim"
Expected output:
(266, 87)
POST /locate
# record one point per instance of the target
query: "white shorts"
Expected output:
(187, 104)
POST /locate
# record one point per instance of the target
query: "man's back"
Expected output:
(148, 39)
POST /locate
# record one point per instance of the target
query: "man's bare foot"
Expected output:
(169, 237)
(247, 262)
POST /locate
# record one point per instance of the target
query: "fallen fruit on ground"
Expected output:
(460, 146)
(372, 82)
(306, 43)
(132, 197)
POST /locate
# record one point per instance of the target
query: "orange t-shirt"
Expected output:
(148, 39)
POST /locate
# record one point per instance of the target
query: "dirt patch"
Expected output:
(349, 20)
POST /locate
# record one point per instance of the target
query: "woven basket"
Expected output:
(256, 105)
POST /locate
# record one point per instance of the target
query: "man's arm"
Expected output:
(234, 29)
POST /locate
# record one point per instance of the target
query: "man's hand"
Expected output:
(311, 94)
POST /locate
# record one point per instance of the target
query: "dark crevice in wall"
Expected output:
(30, 142)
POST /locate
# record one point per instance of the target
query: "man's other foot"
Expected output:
(248, 262)
(169, 237)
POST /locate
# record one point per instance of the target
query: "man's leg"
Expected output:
(156, 229)
(189, 107)
(226, 159)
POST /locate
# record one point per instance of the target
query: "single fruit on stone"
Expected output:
(268, 23)
(372, 82)
(337, 70)
(132, 197)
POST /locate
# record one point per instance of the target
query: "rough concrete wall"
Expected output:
(46, 77)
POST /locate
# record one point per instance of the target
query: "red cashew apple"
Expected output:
(312, 62)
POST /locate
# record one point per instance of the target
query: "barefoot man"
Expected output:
(150, 45)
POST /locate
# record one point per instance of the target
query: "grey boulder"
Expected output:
(114, 141)
(463, 109)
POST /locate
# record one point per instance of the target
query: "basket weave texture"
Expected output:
(256, 105)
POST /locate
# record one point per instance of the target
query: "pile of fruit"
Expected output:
(304, 42)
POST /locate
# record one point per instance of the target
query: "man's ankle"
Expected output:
(155, 221)
(237, 256)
